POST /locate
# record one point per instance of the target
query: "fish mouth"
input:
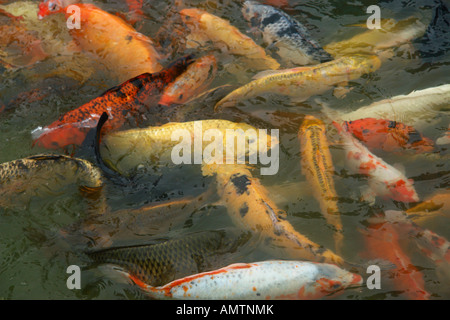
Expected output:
(356, 281)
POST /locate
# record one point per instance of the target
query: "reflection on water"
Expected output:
(41, 237)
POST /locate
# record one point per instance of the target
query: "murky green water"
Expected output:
(34, 259)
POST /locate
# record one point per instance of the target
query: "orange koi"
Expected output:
(197, 77)
(318, 168)
(382, 242)
(119, 102)
(110, 39)
(205, 26)
(390, 136)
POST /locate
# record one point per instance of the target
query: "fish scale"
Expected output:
(157, 264)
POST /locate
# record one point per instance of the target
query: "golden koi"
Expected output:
(304, 82)
(318, 168)
(197, 77)
(127, 150)
(205, 26)
(251, 209)
(436, 205)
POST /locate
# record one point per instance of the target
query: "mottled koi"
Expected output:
(120, 102)
(250, 207)
(318, 168)
(266, 280)
(390, 136)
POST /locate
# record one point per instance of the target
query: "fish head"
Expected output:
(333, 279)
(402, 190)
(48, 7)
(191, 16)
(253, 12)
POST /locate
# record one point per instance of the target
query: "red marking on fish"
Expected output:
(125, 100)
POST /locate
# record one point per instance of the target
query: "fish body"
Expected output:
(407, 109)
(392, 34)
(126, 150)
(382, 241)
(388, 135)
(251, 208)
(304, 82)
(120, 102)
(269, 280)
(125, 52)
(318, 168)
(293, 40)
(41, 175)
(160, 263)
(385, 180)
(197, 77)
(208, 27)
(436, 205)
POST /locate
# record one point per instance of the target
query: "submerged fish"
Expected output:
(392, 34)
(304, 82)
(387, 135)
(208, 27)
(407, 109)
(269, 280)
(45, 175)
(121, 102)
(197, 77)
(444, 139)
(318, 168)
(130, 149)
(250, 207)
(160, 263)
(436, 205)
(114, 42)
(382, 241)
(292, 39)
(384, 180)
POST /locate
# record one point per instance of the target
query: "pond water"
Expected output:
(33, 255)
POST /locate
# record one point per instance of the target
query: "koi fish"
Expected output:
(384, 180)
(207, 27)
(387, 135)
(129, 149)
(436, 205)
(119, 102)
(135, 10)
(318, 168)
(392, 34)
(42, 175)
(250, 208)
(270, 280)
(160, 263)
(407, 109)
(293, 40)
(432, 245)
(114, 49)
(197, 77)
(382, 241)
(304, 82)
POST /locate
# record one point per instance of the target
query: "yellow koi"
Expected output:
(205, 26)
(318, 168)
(304, 82)
(127, 150)
(435, 206)
(251, 209)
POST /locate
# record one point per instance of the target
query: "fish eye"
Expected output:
(180, 97)
(52, 6)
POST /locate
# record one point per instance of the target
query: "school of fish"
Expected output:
(131, 133)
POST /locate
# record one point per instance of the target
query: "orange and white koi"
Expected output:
(250, 207)
(304, 82)
(269, 280)
(205, 26)
(385, 180)
(197, 77)
(318, 168)
(114, 48)
(382, 241)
